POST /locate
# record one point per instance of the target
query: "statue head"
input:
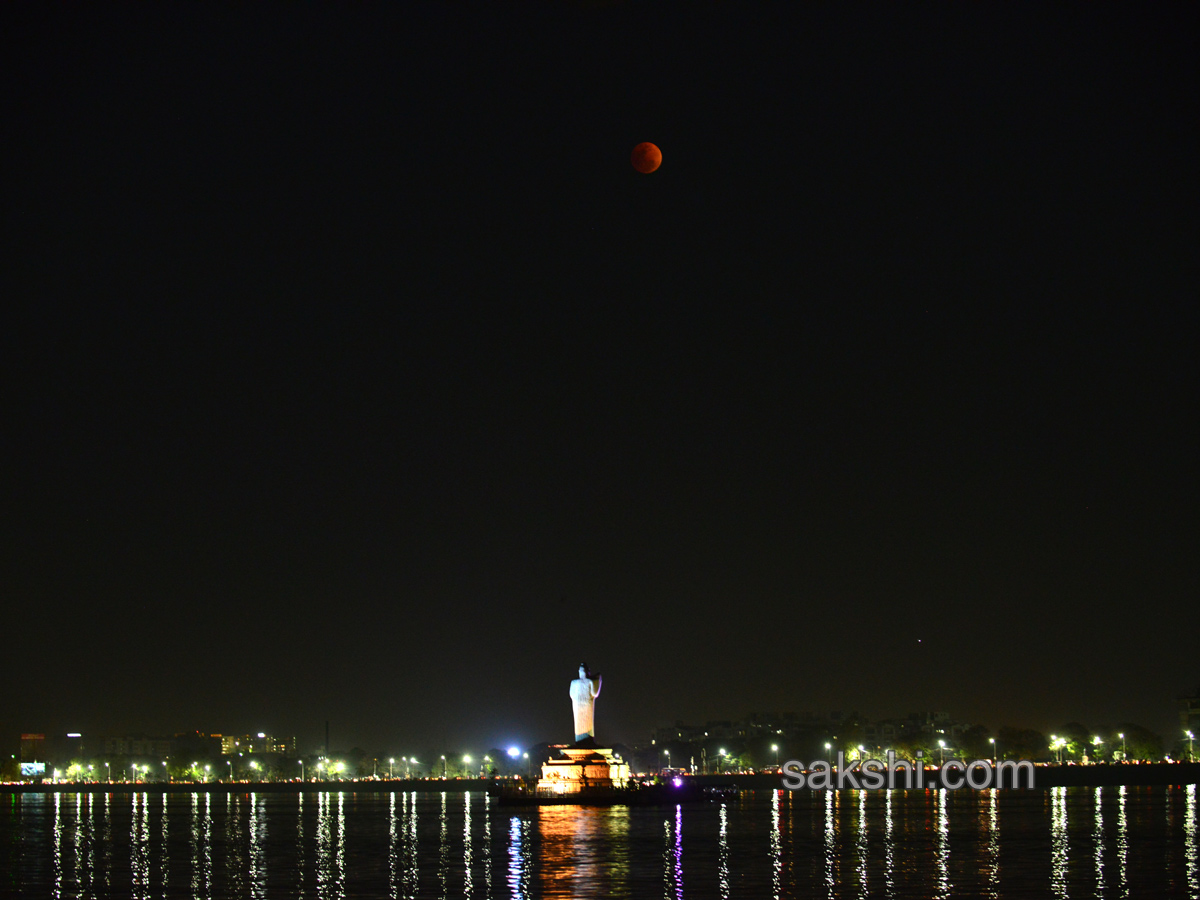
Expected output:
(583, 672)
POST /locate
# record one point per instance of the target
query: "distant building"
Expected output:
(139, 745)
(257, 743)
(1189, 713)
(55, 748)
(197, 744)
(33, 747)
(70, 748)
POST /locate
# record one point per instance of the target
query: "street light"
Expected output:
(941, 753)
(134, 767)
(301, 768)
(1190, 738)
(230, 768)
(667, 753)
(775, 748)
(995, 758)
(1122, 737)
(1096, 742)
(391, 763)
(207, 769)
(443, 767)
(1057, 743)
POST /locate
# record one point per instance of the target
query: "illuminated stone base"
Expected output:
(574, 769)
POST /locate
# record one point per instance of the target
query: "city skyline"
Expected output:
(760, 729)
(351, 372)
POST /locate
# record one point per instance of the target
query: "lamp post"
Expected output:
(1191, 737)
(1057, 743)
(391, 763)
(230, 760)
(207, 769)
(301, 762)
(828, 751)
(941, 752)
(108, 773)
(775, 749)
(1096, 742)
(528, 766)
(1123, 754)
(995, 758)
(443, 767)
(133, 766)
(667, 753)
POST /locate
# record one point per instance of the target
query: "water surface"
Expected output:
(1058, 842)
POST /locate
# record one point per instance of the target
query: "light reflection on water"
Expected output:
(1064, 842)
(942, 842)
(443, 847)
(889, 849)
(830, 848)
(1059, 843)
(993, 842)
(860, 844)
(1191, 851)
(1122, 845)
(723, 854)
(139, 841)
(467, 885)
(777, 847)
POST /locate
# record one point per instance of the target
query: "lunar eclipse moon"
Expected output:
(646, 157)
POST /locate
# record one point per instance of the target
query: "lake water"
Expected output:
(1057, 842)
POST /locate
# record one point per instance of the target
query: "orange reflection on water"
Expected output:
(583, 851)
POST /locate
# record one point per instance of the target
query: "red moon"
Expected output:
(646, 157)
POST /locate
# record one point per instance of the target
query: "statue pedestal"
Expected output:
(574, 769)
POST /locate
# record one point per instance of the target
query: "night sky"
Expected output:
(350, 372)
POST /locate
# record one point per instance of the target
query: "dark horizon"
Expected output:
(351, 372)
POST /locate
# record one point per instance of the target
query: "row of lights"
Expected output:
(1056, 743)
